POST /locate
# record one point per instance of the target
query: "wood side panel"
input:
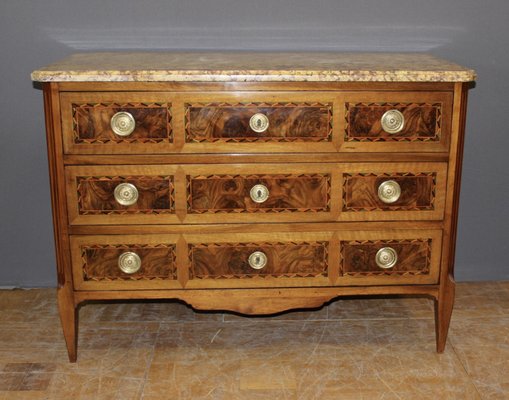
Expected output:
(230, 122)
(445, 301)
(67, 304)
(230, 193)
(231, 260)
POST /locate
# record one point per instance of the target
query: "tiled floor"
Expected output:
(351, 349)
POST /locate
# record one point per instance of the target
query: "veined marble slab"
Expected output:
(252, 66)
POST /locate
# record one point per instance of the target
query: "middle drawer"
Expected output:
(236, 193)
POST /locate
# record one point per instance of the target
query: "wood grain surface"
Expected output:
(91, 123)
(230, 193)
(230, 260)
(358, 257)
(96, 195)
(230, 122)
(360, 191)
(100, 262)
(422, 122)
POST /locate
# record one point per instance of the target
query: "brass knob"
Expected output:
(259, 193)
(129, 262)
(123, 123)
(389, 191)
(126, 194)
(393, 121)
(386, 257)
(257, 260)
(259, 122)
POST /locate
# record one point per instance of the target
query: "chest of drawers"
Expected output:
(254, 182)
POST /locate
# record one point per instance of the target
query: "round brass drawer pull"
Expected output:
(259, 122)
(257, 260)
(393, 121)
(129, 262)
(386, 257)
(389, 191)
(259, 193)
(126, 194)
(123, 123)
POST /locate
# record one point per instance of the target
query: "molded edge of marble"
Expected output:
(466, 75)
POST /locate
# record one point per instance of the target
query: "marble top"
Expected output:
(252, 66)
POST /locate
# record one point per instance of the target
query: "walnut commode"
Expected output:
(254, 182)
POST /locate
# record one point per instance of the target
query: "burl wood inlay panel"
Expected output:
(360, 191)
(358, 257)
(230, 260)
(91, 123)
(231, 193)
(288, 122)
(422, 122)
(100, 262)
(96, 195)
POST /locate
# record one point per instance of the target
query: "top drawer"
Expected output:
(255, 122)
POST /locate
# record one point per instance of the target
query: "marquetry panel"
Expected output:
(284, 259)
(86, 122)
(100, 262)
(427, 121)
(231, 193)
(91, 122)
(360, 191)
(95, 261)
(96, 195)
(358, 257)
(229, 122)
(91, 194)
(422, 191)
(417, 252)
(423, 122)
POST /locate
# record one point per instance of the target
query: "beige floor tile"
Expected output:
(144, 311)
(482, 345)
(478, 300)
(378, 308)
(298, 315)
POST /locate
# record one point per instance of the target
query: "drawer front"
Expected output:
(258, 260)
(389, 257)
(254, 123)
(258, 193)
(389, 191)
(123, 262)
(397, 121)
(97, 123)
(111, 194)
(283, 122)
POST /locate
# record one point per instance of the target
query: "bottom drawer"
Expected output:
(124, 262)
(256, 260)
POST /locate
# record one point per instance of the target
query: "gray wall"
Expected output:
(34, 33)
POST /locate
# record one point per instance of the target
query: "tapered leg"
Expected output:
(443, 312)
(69, 319)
